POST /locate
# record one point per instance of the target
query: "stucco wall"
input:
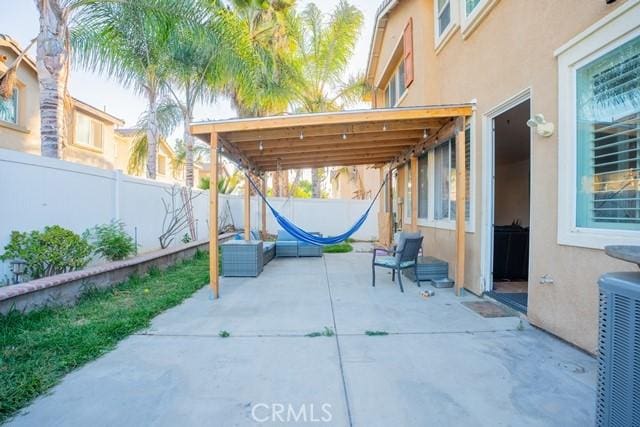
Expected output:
(511, 50)
(26, 135)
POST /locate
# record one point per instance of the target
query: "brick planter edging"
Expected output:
(65, 289)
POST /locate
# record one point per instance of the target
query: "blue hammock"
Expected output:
(314, 239)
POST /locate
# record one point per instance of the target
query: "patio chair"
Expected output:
(404, 256)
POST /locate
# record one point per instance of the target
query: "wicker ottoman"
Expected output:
(429, 268)
(242, 258)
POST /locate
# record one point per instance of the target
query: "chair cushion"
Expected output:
(390, 261)
(285, 236)
(286, 243)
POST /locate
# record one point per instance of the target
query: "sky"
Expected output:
(20, 21)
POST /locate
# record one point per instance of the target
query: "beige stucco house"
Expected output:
(359, 182)
(542, 201)
(94, 137)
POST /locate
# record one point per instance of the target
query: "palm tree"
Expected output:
(272, 27)
(52, 61)
(324, 48)
(203, 59)
(131, 42)
(168, 116)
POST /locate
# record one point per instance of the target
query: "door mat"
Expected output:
(489, 309)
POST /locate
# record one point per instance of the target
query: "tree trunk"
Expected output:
(153, 133)
(188, 139)
(275, 182)
(317, 176)
(53, 70)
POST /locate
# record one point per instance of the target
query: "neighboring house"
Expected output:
(576, 62)
(90, 136)
(166, 168)
(354, 182)
(93, 138)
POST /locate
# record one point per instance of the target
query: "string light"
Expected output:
(424, 134)
(344, 136)
(260, 146)
(384, 127)
(301, 135)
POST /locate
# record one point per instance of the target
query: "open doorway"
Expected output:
(511, 207)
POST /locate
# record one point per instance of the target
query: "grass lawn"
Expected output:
(338, 248)
(37, 349)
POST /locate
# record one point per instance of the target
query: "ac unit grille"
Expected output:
(619, 351)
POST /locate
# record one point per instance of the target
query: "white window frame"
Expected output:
(620, 26)
(166, 165)
(16, 90)
(471, 21)
(450, 223)
(395, 79)
(91, 136)
(441, 38)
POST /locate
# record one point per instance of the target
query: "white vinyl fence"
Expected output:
(37, 191)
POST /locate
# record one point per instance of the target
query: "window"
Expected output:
(445, 179)
(162, 165)
(396, 87)
(407, 200)
(598, 132)
(89, 132)
(470, 6)
(441, 181)
(608, 140)
(423, 186)
(9, 108)
(444, 16)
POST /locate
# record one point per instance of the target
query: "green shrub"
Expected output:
(52, 251)
(111, 241)
(204, 183)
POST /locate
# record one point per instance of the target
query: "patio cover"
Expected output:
(385, 138)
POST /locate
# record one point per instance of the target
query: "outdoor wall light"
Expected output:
(542, 127)
(18, 267)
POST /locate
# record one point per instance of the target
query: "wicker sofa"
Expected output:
(289, 246)
(268, 248)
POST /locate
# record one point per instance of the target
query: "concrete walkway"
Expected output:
(441, 365)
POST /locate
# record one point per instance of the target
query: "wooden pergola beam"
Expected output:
(461, 198)
(380, 151)
(293, 133)
(341, 119)
(399, 146)
(213, 219)
(319, 164)
(317, 141)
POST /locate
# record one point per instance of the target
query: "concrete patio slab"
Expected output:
(441, 364)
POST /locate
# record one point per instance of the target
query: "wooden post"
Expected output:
(247, 208)
(264, 208)
(213, 218)
(414, 193)
(390, 204)
(461, 173)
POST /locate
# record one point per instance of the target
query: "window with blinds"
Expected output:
(608, 140)
(441, 180)
(423, 186)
